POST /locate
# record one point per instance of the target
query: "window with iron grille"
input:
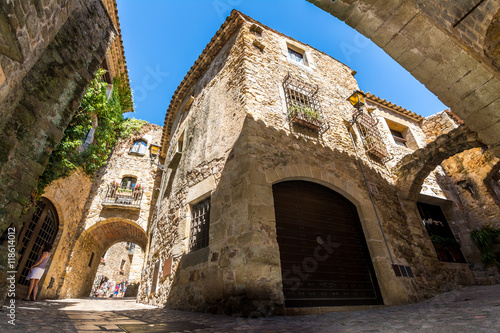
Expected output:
(200, 224)
(303, 107)
(370, 135)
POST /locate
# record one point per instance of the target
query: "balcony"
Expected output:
(123, 196)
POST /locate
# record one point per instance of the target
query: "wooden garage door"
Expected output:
(324, 258)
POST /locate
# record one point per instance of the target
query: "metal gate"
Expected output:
(40, 230)
(324, 257)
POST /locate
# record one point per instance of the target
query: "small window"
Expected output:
(399, 138)
(401, 135)
(139, 147)
(296, 56)
(122, 265)
(129, 182)
(200, 225)
(91, 259)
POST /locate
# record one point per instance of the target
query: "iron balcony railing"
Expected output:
(123, 195)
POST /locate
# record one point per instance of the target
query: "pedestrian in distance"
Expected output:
(37, 270)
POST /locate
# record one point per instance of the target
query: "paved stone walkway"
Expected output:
(473, 309)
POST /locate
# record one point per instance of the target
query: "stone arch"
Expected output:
(114, 230)
(492, 40)
(435, 53)
(90, 246)
(414, 168)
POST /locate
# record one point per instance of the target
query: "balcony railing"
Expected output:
(123, 196)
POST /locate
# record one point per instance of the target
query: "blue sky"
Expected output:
(163, 38)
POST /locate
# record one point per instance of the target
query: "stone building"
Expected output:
(452, 47)
(81, 216)
(91, 215)
(278, 194)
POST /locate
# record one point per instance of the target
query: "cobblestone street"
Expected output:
(474, 309)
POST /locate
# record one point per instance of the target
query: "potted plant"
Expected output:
(305, 115)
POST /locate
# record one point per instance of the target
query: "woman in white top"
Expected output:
(37, 270)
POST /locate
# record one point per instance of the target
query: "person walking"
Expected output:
(37, 270)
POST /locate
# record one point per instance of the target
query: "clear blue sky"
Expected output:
(163, 38)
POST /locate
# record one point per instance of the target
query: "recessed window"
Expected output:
(296, 56)
(399, 138)
(139, 147)
(200, 225)
(401, 135)
(129, 182)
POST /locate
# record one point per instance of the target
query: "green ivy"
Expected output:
(485, 238)
(68, 155)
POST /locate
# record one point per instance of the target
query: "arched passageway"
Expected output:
(323, 253)
(414, 168)
(90, 247)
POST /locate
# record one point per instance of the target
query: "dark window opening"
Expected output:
(129, 182)
(91, 259)
(200, 225)
(399, 138)
(445, 244)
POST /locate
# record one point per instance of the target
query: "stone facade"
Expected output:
(451, 47)
(49, 52)
(105, 220)
(227, 137)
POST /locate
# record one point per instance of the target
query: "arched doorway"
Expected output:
(323, 252)
(41, 229)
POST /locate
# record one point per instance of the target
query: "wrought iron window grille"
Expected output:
(303, 107)
(370, 135)
(200, 225)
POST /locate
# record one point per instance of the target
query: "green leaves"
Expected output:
(70, 153)
(485, 238)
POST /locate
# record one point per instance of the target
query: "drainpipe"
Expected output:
(349, 127)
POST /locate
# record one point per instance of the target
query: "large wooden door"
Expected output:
(324, 257)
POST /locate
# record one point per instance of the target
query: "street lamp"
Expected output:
(154, 149)
(357, 99)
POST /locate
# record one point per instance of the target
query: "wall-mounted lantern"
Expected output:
(154, 149)
(357, 99)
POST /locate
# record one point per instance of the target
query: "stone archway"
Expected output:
(90, 246)
(414, 168)
(440, 47)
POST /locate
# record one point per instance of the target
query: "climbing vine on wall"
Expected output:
(71, 152)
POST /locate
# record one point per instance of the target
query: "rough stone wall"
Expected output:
(217, 104)
(471, 30)
(420, 37)
(60, 51)
(101, 226)
(69, 197)
(46, 89)
(437, 124)
(237, 162)
(472, 167)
